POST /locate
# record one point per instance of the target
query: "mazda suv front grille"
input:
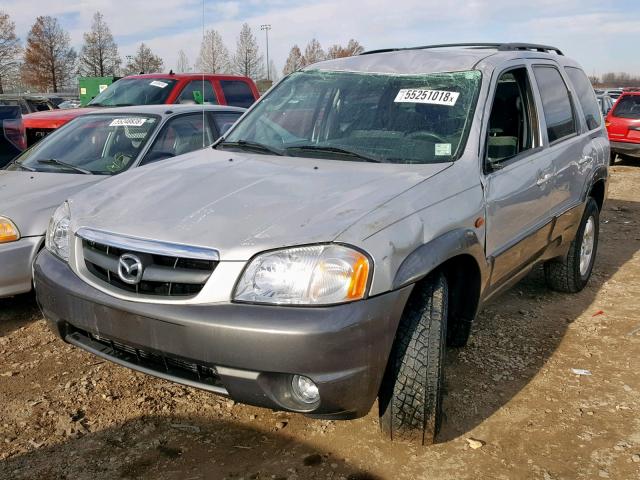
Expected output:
(146, 268)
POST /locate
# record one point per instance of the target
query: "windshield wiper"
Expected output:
(53, 161)
(338, 150)
(250, 146)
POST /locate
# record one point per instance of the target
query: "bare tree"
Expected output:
(9, 50)
(294, 61)
(182, 65)
(619, 79)
(99, 55)
(214, 55)
(247, 60)
(313, 53)
(49, 59)
(144, 61)
(352, 49)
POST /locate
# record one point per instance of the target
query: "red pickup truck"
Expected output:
(151, 89)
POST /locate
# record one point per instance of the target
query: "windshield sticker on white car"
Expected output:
(443, 149)
(433, 97)
(127, 122)
(158, 83)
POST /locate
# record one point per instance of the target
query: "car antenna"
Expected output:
(203, 127)
(171, 72)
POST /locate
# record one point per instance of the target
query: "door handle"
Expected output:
(585, 159)
(544, 179)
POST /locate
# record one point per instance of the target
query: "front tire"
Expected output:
(410, 398)
(571, 273)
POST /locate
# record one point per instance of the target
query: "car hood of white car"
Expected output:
(29, 199)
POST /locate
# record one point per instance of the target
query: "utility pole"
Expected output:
(266, 29)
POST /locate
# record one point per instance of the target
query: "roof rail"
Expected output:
(503, 47)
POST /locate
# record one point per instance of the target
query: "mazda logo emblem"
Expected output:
(130, 268)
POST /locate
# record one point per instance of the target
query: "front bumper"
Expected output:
(16, 259)
(626, 148)
(253, 349)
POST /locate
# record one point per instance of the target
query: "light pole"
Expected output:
(266, 29)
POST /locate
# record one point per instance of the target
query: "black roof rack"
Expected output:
(503, 47)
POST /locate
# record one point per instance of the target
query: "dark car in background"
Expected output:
(623, 126)
(12, 135)
(28, 103)
(152, 89)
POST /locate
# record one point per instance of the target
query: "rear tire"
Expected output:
(410, 398)
(571, 273)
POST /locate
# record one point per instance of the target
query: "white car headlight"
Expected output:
(8, 231)
(309, 275)
(57, 238)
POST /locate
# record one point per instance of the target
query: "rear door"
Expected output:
(568, 146)
(518, 175)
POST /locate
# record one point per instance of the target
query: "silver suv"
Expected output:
(344, 232)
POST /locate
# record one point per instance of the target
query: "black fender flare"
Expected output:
(424, 259)
(600, 173)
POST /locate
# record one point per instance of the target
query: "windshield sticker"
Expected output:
(158, 83)
(127, 122)
(443, 149)
(433, 97)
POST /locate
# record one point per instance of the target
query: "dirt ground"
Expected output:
(65, 414)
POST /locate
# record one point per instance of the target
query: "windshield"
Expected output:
(98, 144)
(363, 116)
(135, 91)
(628, 107)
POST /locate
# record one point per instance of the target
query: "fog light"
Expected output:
(304, 389)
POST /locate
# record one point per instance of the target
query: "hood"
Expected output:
(53, 118)
(241, 203)
(30, 198)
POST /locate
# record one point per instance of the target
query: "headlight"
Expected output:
(8, 231)
(57, 239)
(310, 275)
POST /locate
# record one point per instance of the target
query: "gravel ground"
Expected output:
(514, 407)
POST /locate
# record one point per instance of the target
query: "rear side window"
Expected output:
(198, 91)
(556, 104)
(180, 135)
(237, 93)
(628, 107)
(224, 121)
(586, 97)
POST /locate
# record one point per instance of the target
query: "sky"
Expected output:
(603, 35)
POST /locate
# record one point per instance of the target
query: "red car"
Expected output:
(623, 126)
(152, 89)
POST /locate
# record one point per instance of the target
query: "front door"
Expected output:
(519, 177)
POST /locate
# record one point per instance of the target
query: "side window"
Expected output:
(181, 134)
(558, 111)
(224, 121)
(193, 93)
(513, 122)
(586, 97)
(237, 93)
